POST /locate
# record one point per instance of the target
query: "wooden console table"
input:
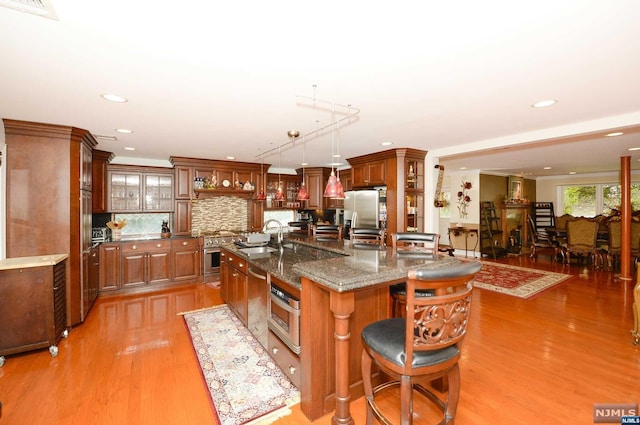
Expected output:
(467, 231)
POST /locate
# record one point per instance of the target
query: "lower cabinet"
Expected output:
(186, 259)
(233, 283)
(146, 262)
(139, 264)
(288, 361)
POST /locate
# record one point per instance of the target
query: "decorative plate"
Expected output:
(226, 183)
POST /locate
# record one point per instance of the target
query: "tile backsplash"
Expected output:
(219, 213)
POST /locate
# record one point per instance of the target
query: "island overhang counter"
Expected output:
(339, 295)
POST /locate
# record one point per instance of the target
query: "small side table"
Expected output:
(467, 231)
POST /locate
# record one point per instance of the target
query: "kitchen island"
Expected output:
(342, 289)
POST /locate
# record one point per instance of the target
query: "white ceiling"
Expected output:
(208, 79)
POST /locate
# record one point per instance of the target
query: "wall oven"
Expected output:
(283, 317)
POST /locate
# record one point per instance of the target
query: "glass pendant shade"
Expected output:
(261, 196)
(331, 190)
(339, 189)
(303, 193)
(279, 194)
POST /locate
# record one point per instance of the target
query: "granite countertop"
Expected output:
(29, 262)
(341, 266)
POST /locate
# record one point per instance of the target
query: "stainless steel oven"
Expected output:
(210, 261)
(283, 312)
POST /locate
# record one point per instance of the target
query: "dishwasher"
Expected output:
(257, 297)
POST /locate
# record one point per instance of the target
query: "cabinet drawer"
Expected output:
(186, 243)
(286, 359)
(137, 246)
(235, 261)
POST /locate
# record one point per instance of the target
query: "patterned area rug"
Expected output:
(517, 281)
(246, 386)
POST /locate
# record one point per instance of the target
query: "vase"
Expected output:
(116, 234)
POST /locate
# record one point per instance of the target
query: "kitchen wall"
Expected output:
(219, 213)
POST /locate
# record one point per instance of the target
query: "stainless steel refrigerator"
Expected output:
(362, 207)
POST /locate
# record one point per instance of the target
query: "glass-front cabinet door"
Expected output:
(415, 213)
(158, 192)
(125, 192)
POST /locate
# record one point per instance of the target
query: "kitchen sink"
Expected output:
(257, 251)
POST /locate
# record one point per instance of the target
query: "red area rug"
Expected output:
(516, 281)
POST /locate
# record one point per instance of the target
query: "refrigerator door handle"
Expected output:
(354, 219)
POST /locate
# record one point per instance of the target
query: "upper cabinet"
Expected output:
(290, 185)
(100, 160)
(228, 177)
(137, 189)
(369, 174)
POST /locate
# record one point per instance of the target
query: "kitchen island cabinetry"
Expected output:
(137, 189)
(186, 259)
(233, 283)
(146, 263)
(33, 303)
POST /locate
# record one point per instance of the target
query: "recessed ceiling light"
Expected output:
(615, 133)
(231, 157)
(336, 155)
(129, 149)
(544, 103)
(634, 149)
(547, 168)
(304, 164)
(114, 98)
(386, 143)
(572, 172)
(124, 130)
(463, 168)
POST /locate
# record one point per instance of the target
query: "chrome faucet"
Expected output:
(280, 231)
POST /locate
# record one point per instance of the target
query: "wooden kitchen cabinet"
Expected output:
(137, 189)
(182, 217)
(233, 283)
(48, 199)
(369, 174)
(290, 185)
(33, 304)
(187, 256)
(146, 263)
(110, 267)
(99, 180)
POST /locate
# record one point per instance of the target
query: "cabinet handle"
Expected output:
(159, 246)
(134, 247)
(185, 243)
(240, 265)
(292, 369)
(274, 350)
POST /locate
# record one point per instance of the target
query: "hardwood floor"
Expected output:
(546, 360)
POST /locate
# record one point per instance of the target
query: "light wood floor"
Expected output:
(541, 361)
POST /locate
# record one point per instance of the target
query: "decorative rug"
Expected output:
(517, 281)
(245, 384)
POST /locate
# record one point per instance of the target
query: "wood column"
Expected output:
(625, 217)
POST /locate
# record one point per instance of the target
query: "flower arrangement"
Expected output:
(464, 199)
(119, 224)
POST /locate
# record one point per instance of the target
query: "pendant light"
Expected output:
(261, 196)
(331, 190)
(339, 188)
(303, 193)
(279, 192)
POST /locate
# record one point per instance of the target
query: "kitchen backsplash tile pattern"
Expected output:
(143, 224)
(219, 213)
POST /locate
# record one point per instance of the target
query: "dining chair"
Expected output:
(327, 232)
(423, 348)
(414, 243)
(540, 240)
(581, 239)
(614, 246)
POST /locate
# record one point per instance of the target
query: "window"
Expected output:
(591, 200)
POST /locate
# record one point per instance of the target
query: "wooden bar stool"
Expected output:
(424, 347)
